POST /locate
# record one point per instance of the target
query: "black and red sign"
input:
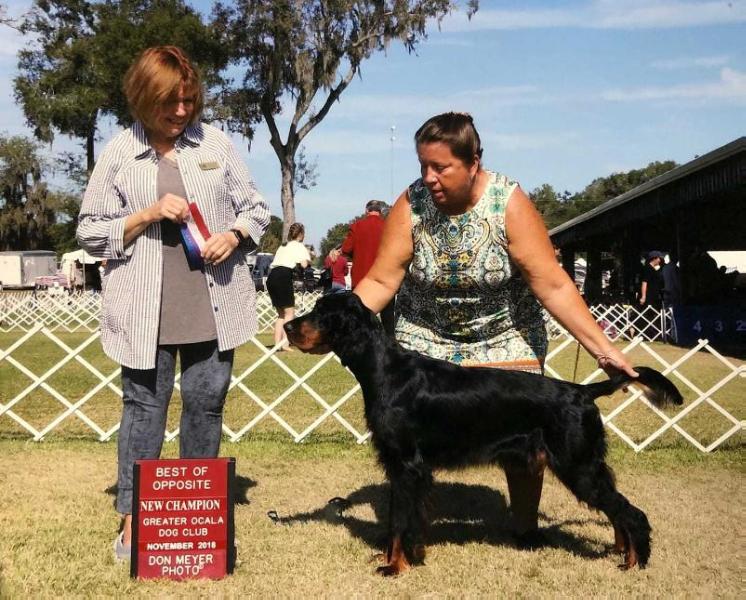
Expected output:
(182, 518)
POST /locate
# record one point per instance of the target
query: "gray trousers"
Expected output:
(205, 377)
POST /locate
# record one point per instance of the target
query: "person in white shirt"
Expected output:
(280, 280)
(71, 272)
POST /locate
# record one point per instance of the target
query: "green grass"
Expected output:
(57, 517)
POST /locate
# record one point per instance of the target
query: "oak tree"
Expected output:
(300, 55)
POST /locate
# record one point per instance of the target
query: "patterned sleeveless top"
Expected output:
(462, 299)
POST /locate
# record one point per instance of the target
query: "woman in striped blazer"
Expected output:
(173, 210)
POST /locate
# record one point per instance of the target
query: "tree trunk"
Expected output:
(89, 141)
(287, 195)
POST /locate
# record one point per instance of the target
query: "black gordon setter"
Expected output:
(426, 414)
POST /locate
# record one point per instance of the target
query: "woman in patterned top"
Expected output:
(472, 261)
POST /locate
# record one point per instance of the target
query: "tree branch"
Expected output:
(334, 95)
(274, 133)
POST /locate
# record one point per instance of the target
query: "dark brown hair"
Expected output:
(154, 79)
(454, 129)
(295, 231)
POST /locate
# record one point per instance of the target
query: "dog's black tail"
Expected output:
(658, 389)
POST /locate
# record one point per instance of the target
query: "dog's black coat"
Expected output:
(426, 414)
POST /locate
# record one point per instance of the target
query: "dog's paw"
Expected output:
(631, 560)
(391, 570)
(418, 554)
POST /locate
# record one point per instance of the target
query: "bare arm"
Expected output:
(531, 250)
(643, 292)
(307, 260)
(395, 252)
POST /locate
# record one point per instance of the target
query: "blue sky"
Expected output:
(561, 92)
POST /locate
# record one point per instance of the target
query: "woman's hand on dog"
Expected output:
(613, 361)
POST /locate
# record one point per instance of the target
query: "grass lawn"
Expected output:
(58, 523)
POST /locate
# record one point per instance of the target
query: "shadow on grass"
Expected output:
(459, 514)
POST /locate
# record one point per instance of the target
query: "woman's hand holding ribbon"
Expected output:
(219, 247)
(171, 207)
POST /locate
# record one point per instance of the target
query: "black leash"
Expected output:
(577, 358)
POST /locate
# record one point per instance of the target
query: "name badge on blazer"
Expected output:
(209, 165)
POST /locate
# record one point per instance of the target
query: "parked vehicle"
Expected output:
(19, 269)
(260, 269)
(307, 280)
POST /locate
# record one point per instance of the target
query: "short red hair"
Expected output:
(156, 77)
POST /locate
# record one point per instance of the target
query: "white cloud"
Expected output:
(731, 87)
(638, 14)
(346, 141)
(385, 109)
(350, 142)
(690, 62)
(607, 14)
(528, 141)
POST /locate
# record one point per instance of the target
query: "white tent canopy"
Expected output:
(734, 260)
(80, 255)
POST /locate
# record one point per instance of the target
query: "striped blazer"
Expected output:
(124, 182)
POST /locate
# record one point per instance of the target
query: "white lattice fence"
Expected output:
(54, 378)
(57, 311)
(79, 311)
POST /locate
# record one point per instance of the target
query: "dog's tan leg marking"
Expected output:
(630, 557)
(630, 554)
(398, 562)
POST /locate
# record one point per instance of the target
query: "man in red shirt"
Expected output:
(361, 244)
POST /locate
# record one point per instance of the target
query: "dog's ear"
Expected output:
(348, 325)
(362, 312)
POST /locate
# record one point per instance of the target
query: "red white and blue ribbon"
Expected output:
(194, 235)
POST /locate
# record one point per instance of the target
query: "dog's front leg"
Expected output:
(406, 520)
(621, 543)
(385, 557)
(396, 557)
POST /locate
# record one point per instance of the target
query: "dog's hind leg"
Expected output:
(524, 458)
(593, 483)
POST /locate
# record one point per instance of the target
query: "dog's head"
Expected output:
(339, 323)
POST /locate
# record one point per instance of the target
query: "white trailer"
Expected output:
(20, 269)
